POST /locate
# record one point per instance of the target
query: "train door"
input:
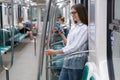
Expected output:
(113, 49)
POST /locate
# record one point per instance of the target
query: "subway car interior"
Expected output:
(22, 54)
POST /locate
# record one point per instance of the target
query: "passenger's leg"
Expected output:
(34, 26)
(75, 74)
(30, 35)
(64, 74)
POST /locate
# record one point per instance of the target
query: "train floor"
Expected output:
(25, 62)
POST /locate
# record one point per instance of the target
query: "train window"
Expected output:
(116, 9)
(34, 13)
(91, 21)
(77, 1)
(9, 11)
(83, 2)
(43, 11)
(19, 11)
(115, 38)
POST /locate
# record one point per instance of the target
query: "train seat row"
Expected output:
(6, 37)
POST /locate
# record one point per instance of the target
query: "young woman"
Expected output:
(76, 41)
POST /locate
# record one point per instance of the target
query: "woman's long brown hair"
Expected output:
(82, 13)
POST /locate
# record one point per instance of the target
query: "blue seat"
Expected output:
(4, 37)
(58, 46)
(89, 72)
(17, 35)
(4, 49)
(85, 73)
(59, 62)
(92, 78)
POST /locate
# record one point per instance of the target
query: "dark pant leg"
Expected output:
(63, 74)
(75, 74)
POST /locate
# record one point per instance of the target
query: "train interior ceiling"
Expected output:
(23, 58)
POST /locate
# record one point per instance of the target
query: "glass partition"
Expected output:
(77, 1)
(91, 24)
(117, 9)
(115, 37)
(34, 13)
(43, 11)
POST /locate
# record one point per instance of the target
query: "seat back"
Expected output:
(92, 78)
(85, 73)
(89, 71)
(4, 36)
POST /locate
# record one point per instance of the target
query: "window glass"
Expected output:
(115, 37)
(77, 1)
(116, 54)
(91, 20)
(43, 11)
(117, 9)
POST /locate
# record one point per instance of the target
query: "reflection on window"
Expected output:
(116, 54)
(43, 11)
(91, 14)
(77, 1)
(117, 9)
(116, 43)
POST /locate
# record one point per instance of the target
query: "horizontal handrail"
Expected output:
(56, 43)
(63, 1)
(64, 55)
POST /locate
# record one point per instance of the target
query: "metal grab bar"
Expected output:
(64, 55)
(42, 43)
(63, 1)
(35, 45)
(12, 47)
(56, 43)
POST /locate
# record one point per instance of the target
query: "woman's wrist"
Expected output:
(60, 51)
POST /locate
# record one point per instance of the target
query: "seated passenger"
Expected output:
(61, 20)
(24, 29)
(34, 26)
(31, 25)
(58, 25)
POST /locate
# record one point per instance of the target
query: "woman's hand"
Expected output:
(49, 52)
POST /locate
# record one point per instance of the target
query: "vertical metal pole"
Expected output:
(35, 45)
(12, 46)
(41, 55)
(7, 74)
(12, 43)
(110, 6)
(30, 7)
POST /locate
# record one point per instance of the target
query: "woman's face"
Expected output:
(74, 15)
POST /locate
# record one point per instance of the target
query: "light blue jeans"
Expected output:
(71, 74)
